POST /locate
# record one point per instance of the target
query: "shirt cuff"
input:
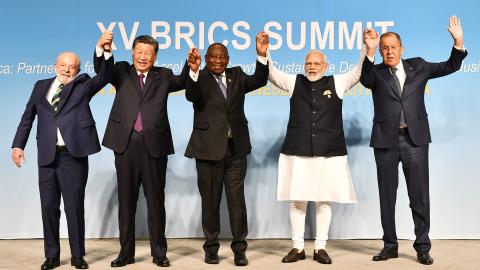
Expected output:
(262, 59)
(463, 49)
(100, 51)
(194, 75)
(372, 59)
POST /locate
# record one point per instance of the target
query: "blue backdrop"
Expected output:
(34, 32)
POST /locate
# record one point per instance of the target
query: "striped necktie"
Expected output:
(221, 85)
(56, 97)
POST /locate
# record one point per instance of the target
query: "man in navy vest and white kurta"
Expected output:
(313, 161)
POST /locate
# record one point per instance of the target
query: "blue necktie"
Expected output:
(222, 85)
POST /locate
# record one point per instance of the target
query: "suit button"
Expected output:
(313, 135)
(314, 112)
(313, 89)
(313, 124)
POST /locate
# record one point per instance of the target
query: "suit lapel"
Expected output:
(230, 79)
(68, 89)
(134, 79)
(43, 95)
(391, 81)
(152, 74)
(213, 84)
(409, 72)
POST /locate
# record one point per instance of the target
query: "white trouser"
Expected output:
(298, 211)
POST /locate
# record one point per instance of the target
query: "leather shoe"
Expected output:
(386, 253)
(424, 258)
(322, 257)
(240, 259)
(79, 263)
(294, 256)
(211, 258)
(120, 262)
(50, 263)
(161, 261)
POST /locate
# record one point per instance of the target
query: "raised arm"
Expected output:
(367, 77)
(457, 55)
(347, 80)
(193, 91)
(103, 64)
(260, 76)
(280, 79)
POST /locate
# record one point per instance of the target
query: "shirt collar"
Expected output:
(399, 67)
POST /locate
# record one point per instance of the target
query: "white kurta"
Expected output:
(315, 178)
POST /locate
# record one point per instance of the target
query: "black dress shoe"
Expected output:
(50, 263)
(120, 262)
(161, 261)
(386, 253)
(79, 263)
(211, 258)
(294, 256)
(322, 257)
(240, 259)
(424, 258)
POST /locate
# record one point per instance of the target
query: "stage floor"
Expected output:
(187, 254)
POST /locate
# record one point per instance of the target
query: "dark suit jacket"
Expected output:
(152, 103)
(73, 117)
(213, 113)
(388, 104)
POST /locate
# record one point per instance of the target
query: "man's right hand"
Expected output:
(371, 38)
(194, 59)
(105, 41)
(18, 156)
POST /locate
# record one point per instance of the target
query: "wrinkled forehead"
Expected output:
(390, 40)
(315, 56)
(69, 58)
(217, 49)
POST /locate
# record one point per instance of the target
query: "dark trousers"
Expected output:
(136, 167)
(415, 168)
(212, 175)
(66, 177)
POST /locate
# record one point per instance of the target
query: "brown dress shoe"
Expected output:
(294, 256)
(322, 257)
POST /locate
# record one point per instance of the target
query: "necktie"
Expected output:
(221, 85)
(393, 70)
(138, 122)
(56, 97)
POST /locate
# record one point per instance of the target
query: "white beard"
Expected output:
(315, 77)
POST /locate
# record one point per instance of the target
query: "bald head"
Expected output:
(217, 58)
(315, 65)
(67, 67)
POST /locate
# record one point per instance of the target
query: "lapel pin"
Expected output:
(327, 93)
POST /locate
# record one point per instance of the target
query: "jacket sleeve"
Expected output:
(194, 92)
(23, 130)
(179, 81)
(257, 80)
(453, 64)
(105, 72)
(367, 77)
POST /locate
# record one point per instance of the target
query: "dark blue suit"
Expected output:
(410, 146)
(64, 171)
